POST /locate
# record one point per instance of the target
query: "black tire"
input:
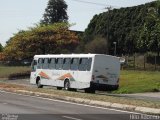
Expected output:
(86, 90)
(73, 89)
(59, 88)
(38, 82)
(66, 85)
(116, 88)
(90, 90)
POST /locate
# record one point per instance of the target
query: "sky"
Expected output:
(18, 15)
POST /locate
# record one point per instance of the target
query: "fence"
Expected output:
(148, 62)
(15, 63)
(142, 62)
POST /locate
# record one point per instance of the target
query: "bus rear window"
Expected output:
(85, 64)
(88, 64)
(74, 63)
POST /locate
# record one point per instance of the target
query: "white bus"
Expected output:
(76, 71)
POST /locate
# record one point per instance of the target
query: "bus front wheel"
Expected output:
(38, 82)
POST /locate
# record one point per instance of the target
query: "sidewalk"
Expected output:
(151, 96)
(155, 97)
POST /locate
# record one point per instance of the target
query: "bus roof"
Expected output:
(70, 55)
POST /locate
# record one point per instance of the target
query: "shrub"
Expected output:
(22, 75)
(98, 45)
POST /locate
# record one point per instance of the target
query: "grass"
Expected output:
(130, 81)
(139, 82)
(104, 98)
(5, 71)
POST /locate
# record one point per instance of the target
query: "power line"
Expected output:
(99, 4)
(93, 3)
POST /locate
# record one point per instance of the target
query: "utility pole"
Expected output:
(115, 48)
(108, 22)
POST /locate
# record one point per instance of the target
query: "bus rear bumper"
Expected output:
(103, 87)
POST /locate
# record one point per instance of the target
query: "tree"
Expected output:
(143, 41)
(1, 52)
(155, 33)
(126, 27)
(98, 45)
(56, 11)
(1, 47)
(150, 33)
(50, 39)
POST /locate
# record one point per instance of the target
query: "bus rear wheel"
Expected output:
(38, 82)
(59, 88)
(66, 85)
(90, 90)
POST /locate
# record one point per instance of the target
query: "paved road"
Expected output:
(25, 82)
(31, 108)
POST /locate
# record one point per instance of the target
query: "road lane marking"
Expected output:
(67, 102)
(72, 118)
(4, 103)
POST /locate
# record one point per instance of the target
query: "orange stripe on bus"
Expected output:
(42, 74)
(68, 75)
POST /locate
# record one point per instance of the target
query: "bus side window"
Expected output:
(82, 64)
(52, 64)
(88, 64)
(66, 63)
(40, 63)
(59, 63)
(74, 63)
(46, 63)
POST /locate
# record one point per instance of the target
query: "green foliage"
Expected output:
(143, 41)
(6, 71)
(81, 47)
(19, 75)
(56, 11)
(150, 32)
(1, 47)
(135, 29)
(50, 39)
(138, 82)
(98, 45)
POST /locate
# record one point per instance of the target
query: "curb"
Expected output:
(144, 110)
